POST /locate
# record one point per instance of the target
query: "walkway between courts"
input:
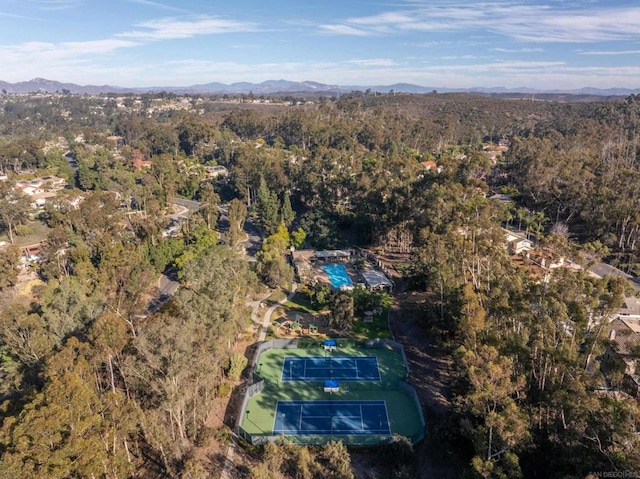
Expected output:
(266, 321)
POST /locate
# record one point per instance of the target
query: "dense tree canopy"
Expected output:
(100, 381)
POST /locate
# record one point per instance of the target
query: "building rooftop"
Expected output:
(625, 335)
(375, 278)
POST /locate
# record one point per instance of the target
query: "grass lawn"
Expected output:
(378, 328)
(300, 302)
(40, 232)
(275, 298)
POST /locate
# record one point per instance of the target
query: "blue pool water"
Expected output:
(337, 275)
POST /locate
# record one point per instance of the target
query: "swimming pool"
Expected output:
(337, 275)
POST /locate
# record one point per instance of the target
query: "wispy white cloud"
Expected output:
(344, 30)
(517, 20)
(439, 43)
(161, 6)
(503, 67)
(374, 62)
(12, 15)
(518, 50)
(19, 59)
(172, 28)
(100, 47)
(623, 52)
(47, 52)
(55, 4)
(459, 57)
(430, 44)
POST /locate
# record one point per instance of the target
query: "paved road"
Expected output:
(253, 243)
(167, 287)
(190, 204)
(181, 212)
(73, 163)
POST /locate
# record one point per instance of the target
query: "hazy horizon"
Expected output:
(454, 44)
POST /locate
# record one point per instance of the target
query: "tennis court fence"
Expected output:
(355, 440)
(410, 391)
(380, 343)
(302, 439)
(254, 389)
(267, 346)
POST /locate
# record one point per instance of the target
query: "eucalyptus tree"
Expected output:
(177, 359)
(14, 209)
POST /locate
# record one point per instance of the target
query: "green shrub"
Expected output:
(222, 434)
(23, 230)
(237, 363)
(223, 390)
(204, 436)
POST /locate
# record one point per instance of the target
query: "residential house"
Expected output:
(630, 308)
(31, 253)
(517, 242)
(429, 165)
(139, 160)
(53, 182)
(624, 349)
(40, 199)
(116, 141)
(39, 186)
(624, 343)
(217, 171)
(502, 198)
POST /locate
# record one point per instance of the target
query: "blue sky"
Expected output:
(539, 44)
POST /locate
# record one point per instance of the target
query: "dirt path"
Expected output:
(429, 365)
(430, 369)
(229, 462)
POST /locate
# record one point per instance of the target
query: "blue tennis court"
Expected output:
(331, 417)
(319, 368)
(338, 276)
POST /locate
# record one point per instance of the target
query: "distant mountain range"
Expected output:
(271, 87)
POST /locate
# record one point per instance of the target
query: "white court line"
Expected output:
(300, 421)
(275, 416)
(386, 411)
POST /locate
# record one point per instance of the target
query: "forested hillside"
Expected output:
(100, 378)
